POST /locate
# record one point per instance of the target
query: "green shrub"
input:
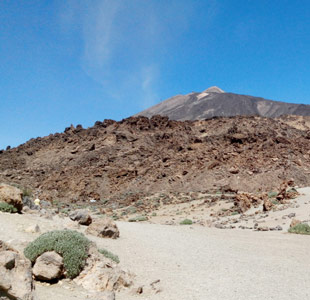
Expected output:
(186, 222)
(234, 213)
(301, 228)
(272, 194)
(138, 219)
(27, 192)
(71, 245)
(5, 207)
(109, 254)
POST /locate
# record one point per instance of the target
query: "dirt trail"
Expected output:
(204, 263)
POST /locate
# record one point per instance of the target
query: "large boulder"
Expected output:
(101, 274)
(11, 195)
(105, 228)
(15, 275)
(82, 216)
(48, 266)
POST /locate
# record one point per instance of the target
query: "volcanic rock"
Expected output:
(81, 216)
(11, 195)
(48, 266)
(105, 228)
(15, 274)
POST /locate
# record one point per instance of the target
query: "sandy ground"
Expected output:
(193, 262)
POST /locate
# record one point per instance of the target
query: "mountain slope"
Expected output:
(122, 160)
(215, 102)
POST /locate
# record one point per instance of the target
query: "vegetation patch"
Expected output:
(5, 207)
(71, 245)
(138, 219)
(186, 222)
(272, 194)
(301, 228)
(109, 254)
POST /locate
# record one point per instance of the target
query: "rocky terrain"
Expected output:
(120, 163)
(229, 240)
(214, 102)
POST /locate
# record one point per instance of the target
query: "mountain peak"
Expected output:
(213, 89)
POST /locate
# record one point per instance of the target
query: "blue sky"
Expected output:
(76, 62)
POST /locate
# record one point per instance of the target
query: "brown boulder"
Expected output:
(11, 195)
(48, 266)
(294, 223)
(15, 275)
(102, 275)
(267, 204)
(244, 201)
(82, 216)
(105, 228)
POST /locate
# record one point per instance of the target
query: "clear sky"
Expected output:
(76, 62)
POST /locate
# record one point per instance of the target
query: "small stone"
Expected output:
(291, 215)
(262, 228)
(33, 229)
(7, 259)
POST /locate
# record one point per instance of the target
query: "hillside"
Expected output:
(215, 102)
(138, 156)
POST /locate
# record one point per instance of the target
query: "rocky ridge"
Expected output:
(124, 161)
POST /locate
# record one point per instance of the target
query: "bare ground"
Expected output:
(193, 262)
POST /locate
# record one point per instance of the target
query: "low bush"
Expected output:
(138, 219)
(109, 254)
(71, 245)
(5, 207)
(272, 194)
(186, 222)
(301, 228)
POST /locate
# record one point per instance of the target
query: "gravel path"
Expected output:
(203, 263)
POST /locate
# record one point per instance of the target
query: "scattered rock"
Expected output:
(244, 201)
(277, 228)
(105, 228)
(291, 215)
(219, 226)
(262, 228)
(11, 195)
(48, 266)
(267, 204)
(82, 216)
(101, 274)
(33, 229)
(294, 222)
(15, 274)
(28, 202)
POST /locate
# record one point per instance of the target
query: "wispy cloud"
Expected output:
(123, 41)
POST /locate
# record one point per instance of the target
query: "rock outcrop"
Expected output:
(11, 195)
(139, 156)
(102, 274)
(15, 275)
